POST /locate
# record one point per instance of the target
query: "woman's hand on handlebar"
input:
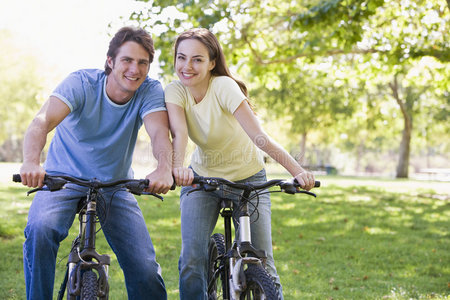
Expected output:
(183, 176)
(306, 180)
(32, 175)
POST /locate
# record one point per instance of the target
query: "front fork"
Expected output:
(83, 255)
(243, 254)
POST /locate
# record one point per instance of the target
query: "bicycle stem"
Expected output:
(244, 220)
(89, 242)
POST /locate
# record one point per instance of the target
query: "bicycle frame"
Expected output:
(229, 265)
(83, 255)
(83, 258)
(241, 250)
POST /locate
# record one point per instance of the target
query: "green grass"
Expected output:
(359, 239)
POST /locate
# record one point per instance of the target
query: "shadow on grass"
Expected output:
(364, 242)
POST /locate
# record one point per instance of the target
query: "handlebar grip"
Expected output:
(317, 184)
(16, 178)
(174, 185)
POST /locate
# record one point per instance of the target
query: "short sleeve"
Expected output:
(175, 93)
(71, 91)
(152, 97)
(228, 92)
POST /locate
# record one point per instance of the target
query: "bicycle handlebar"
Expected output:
(54, 183)
(289, 186)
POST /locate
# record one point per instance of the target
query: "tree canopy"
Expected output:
(336, 68)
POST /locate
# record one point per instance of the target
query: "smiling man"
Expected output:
(97, 115)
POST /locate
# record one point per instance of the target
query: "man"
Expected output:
(97, 115)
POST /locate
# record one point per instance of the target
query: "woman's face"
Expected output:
(193, 65)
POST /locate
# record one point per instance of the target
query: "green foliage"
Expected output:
(19, 96)
(280, 49)
(360, 239)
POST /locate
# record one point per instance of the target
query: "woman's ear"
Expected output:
(212, 64)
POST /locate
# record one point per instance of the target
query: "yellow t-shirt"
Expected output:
(223, 147)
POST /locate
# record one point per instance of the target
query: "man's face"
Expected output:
(129, 70)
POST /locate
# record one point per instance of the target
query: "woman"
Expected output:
(210, 106)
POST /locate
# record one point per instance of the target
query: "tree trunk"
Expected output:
(300, 158)
(403, 162)
(404, 151)
(303, 144)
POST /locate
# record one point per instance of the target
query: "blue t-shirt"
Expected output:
(97, 138)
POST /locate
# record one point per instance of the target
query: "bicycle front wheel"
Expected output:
(217, 278)
(259, 285)
(89, 286)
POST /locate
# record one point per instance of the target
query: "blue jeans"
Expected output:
(199, 213)
(50, 217)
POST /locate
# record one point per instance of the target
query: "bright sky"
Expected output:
(66, 35)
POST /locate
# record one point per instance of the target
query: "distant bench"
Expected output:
(322, 169)
(436, 173)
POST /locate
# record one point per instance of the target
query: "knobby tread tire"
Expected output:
(89, 286)
(216, 248)
(260, 284)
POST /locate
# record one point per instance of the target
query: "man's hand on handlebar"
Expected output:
(32, 175)
(160, 182)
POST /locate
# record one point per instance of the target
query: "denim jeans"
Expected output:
(51, 215)
(199, 213)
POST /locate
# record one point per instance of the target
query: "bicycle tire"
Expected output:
(69, 297)
(216, 271)
(89, 286)
(260, 285)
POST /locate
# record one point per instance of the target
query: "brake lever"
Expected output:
(307, 192)
(204, 187)
(154, 195)
(195, 190)
(37, 190)
(34, 190)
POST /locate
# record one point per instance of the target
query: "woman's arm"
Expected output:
(178, 129)
(252, 127)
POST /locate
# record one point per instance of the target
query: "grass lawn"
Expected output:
(359, 239)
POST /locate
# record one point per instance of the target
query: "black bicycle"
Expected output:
(86, 275)
(236, 270)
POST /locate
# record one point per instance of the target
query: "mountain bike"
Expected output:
(86, 274)
(236, 270)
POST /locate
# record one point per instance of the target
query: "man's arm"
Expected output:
(157, 126)
(49, 116)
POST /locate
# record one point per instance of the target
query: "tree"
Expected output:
(265, 40)
(19, 96)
